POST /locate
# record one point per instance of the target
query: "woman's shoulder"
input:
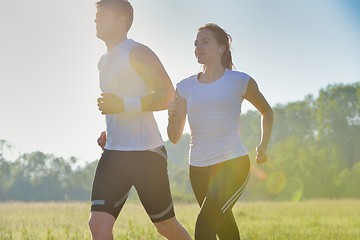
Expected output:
(187, 81)
(238, 75)
(186, 86)
(190, 78)
(239, 80)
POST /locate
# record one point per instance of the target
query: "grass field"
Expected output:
(320, 219)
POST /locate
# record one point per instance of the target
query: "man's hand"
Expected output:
(110, 104)
(101, 141)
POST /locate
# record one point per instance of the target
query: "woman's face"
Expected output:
(207, 49)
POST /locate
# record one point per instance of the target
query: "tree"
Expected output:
(338, 120)
(313, 153)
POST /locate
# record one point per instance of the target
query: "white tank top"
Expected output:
(126, 131)
(214, 113)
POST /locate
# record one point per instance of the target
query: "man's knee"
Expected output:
(168, 227)
(101, 223)
(94, 224)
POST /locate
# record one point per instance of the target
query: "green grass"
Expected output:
(320, 219)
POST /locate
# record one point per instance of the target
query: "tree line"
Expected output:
(314, 153)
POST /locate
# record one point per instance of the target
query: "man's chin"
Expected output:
(100, 36)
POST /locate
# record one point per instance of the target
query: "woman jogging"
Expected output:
(219, 161)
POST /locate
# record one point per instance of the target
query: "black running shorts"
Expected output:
(118, 171)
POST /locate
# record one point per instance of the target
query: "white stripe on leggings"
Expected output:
(235, 196)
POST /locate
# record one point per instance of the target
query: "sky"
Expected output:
(49, 53)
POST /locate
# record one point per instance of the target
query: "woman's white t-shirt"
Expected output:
(214, 115)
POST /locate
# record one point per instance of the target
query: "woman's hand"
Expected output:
(177, 116)
(175, 107)
(261, 155)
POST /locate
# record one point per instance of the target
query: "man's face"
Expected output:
(106, 23)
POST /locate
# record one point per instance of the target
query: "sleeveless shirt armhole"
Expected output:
(131, 44)
(100, 63)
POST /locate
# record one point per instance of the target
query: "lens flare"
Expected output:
(295, 189)
(276, 182)
(258, 173)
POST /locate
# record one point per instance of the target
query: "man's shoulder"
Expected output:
(140, 53)
(139, 49)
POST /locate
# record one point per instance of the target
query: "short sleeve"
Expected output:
(184, 87)
(180, 89)
(244, 81)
